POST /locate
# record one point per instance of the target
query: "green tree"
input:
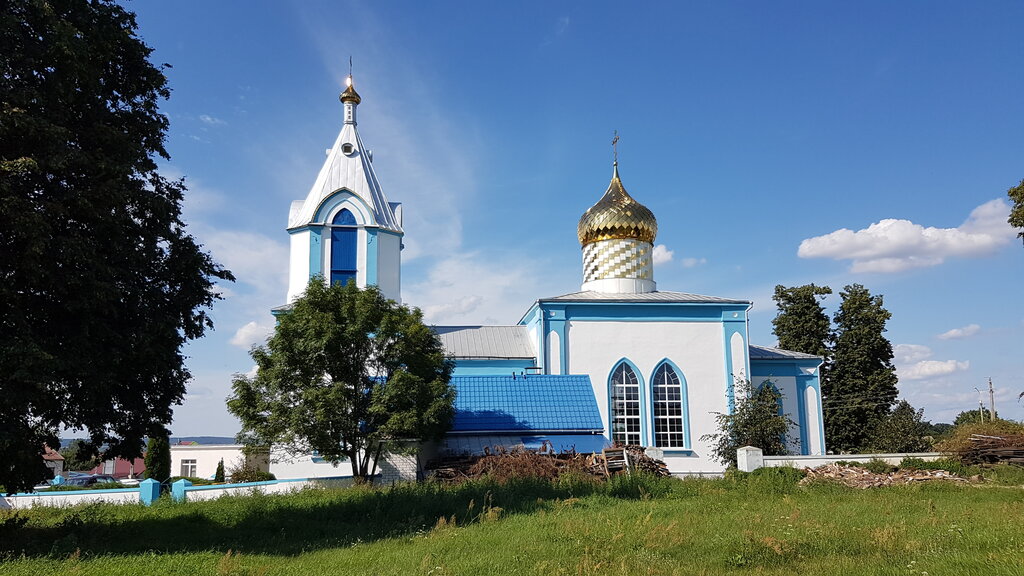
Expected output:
(158, 458)
(79, 456)
(801, 324)
(218, 476)
(100, 284)
(861, 387)
(902, 430)
(1016, 218)
(756, 421)
(972, 417)
(347, 373)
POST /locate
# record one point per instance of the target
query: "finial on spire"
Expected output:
(350, 95)
(615, 147)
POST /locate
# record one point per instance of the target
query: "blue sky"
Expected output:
(777, 143)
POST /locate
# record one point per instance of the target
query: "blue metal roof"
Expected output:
(531, 403)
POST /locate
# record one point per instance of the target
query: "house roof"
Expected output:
(506, 342)
(51, 455)
(656, 296)
(768, 353)
(531, 403)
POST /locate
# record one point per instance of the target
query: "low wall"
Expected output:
(815, 461)
(140, 494)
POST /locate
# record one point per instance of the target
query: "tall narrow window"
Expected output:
(669, 425)
(343, 248)
(625, 405)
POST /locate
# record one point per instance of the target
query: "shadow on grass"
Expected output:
(281, 525)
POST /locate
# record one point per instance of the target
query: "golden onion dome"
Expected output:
(350, 95)
(617, 215)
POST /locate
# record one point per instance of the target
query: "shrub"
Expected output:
(878, 466)
(218, 476)
(158, 458)
(249, 473)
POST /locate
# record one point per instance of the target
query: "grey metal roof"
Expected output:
(657, 296)
(768, 353)
(486, 341)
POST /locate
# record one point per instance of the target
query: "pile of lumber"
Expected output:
(503, 464)
(1007, 448)
(857, 477)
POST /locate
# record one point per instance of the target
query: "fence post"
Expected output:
(749, 459)
(149, 491)
(178, 490)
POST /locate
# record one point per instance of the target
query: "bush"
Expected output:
(158, 458)
(248, 473)
(878, 466)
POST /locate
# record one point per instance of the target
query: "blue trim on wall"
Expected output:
(643, 400)
(490, 367)
(686, 404)
(801, 391)
(316, 253)
(372, 252)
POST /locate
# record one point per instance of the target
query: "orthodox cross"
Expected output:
(615, 146)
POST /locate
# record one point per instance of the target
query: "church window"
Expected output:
(343, 247)
(669, 416)
(347, 148)
(625, 405)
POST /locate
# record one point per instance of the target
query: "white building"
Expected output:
(616, 361)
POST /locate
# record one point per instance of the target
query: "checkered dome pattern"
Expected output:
(617, 258)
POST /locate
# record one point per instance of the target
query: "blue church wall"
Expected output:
(795, 371)
(491, 367)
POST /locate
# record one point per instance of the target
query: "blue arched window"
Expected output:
(343, 247)
(625, 393)
(669, 408)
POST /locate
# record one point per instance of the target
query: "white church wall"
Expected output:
(298, 270)
(389, 265)
(696, 348)
(813, 404)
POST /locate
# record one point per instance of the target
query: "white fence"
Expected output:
(149, 490)
(749, 459)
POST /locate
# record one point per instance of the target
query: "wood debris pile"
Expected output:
(857, 477)
(1007, 448)
(504, 464)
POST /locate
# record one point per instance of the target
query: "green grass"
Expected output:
(759, 523)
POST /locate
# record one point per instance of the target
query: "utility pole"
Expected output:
(991, 401)
(981, 405)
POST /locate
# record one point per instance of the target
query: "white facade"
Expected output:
(200, 460)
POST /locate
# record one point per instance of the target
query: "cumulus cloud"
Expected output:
(931, 369)
(912, 363)
(910, 353)
(211, 121)
(893, 245)
(662, 255)
(957, 333)
(694, 262)
(250, 334)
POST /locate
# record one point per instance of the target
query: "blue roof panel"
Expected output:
(525, 403)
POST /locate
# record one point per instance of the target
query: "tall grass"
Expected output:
(760, 522)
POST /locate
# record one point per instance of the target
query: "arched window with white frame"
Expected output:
(669, 402)
(625, 405)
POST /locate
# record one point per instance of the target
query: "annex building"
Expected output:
(617, 360)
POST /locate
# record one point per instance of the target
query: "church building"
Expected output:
(617, 361)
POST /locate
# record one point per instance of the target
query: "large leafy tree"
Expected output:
(861, 387)
(1016, 219)
(100, 284)
(79, 456)
(801, 324)
(757, 421)
(349, 374)
(902, 430)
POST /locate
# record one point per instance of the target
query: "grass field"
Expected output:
(760, 524)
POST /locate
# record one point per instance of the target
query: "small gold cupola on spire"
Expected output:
(350, 94)
(617, 215)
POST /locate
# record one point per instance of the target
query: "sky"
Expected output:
(776, 143)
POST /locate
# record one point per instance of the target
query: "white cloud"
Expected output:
(250, 334)
(211, 121)
(694, 262)
(926, 369)
(910, 353)
(957, 333)
(662, 255)
(893, 245)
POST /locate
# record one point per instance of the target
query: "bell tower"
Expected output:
(346, 229)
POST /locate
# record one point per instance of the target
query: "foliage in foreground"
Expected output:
(760, 522)
(348, 374)
(102, 284)
(1016, 218)
(755, 421)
